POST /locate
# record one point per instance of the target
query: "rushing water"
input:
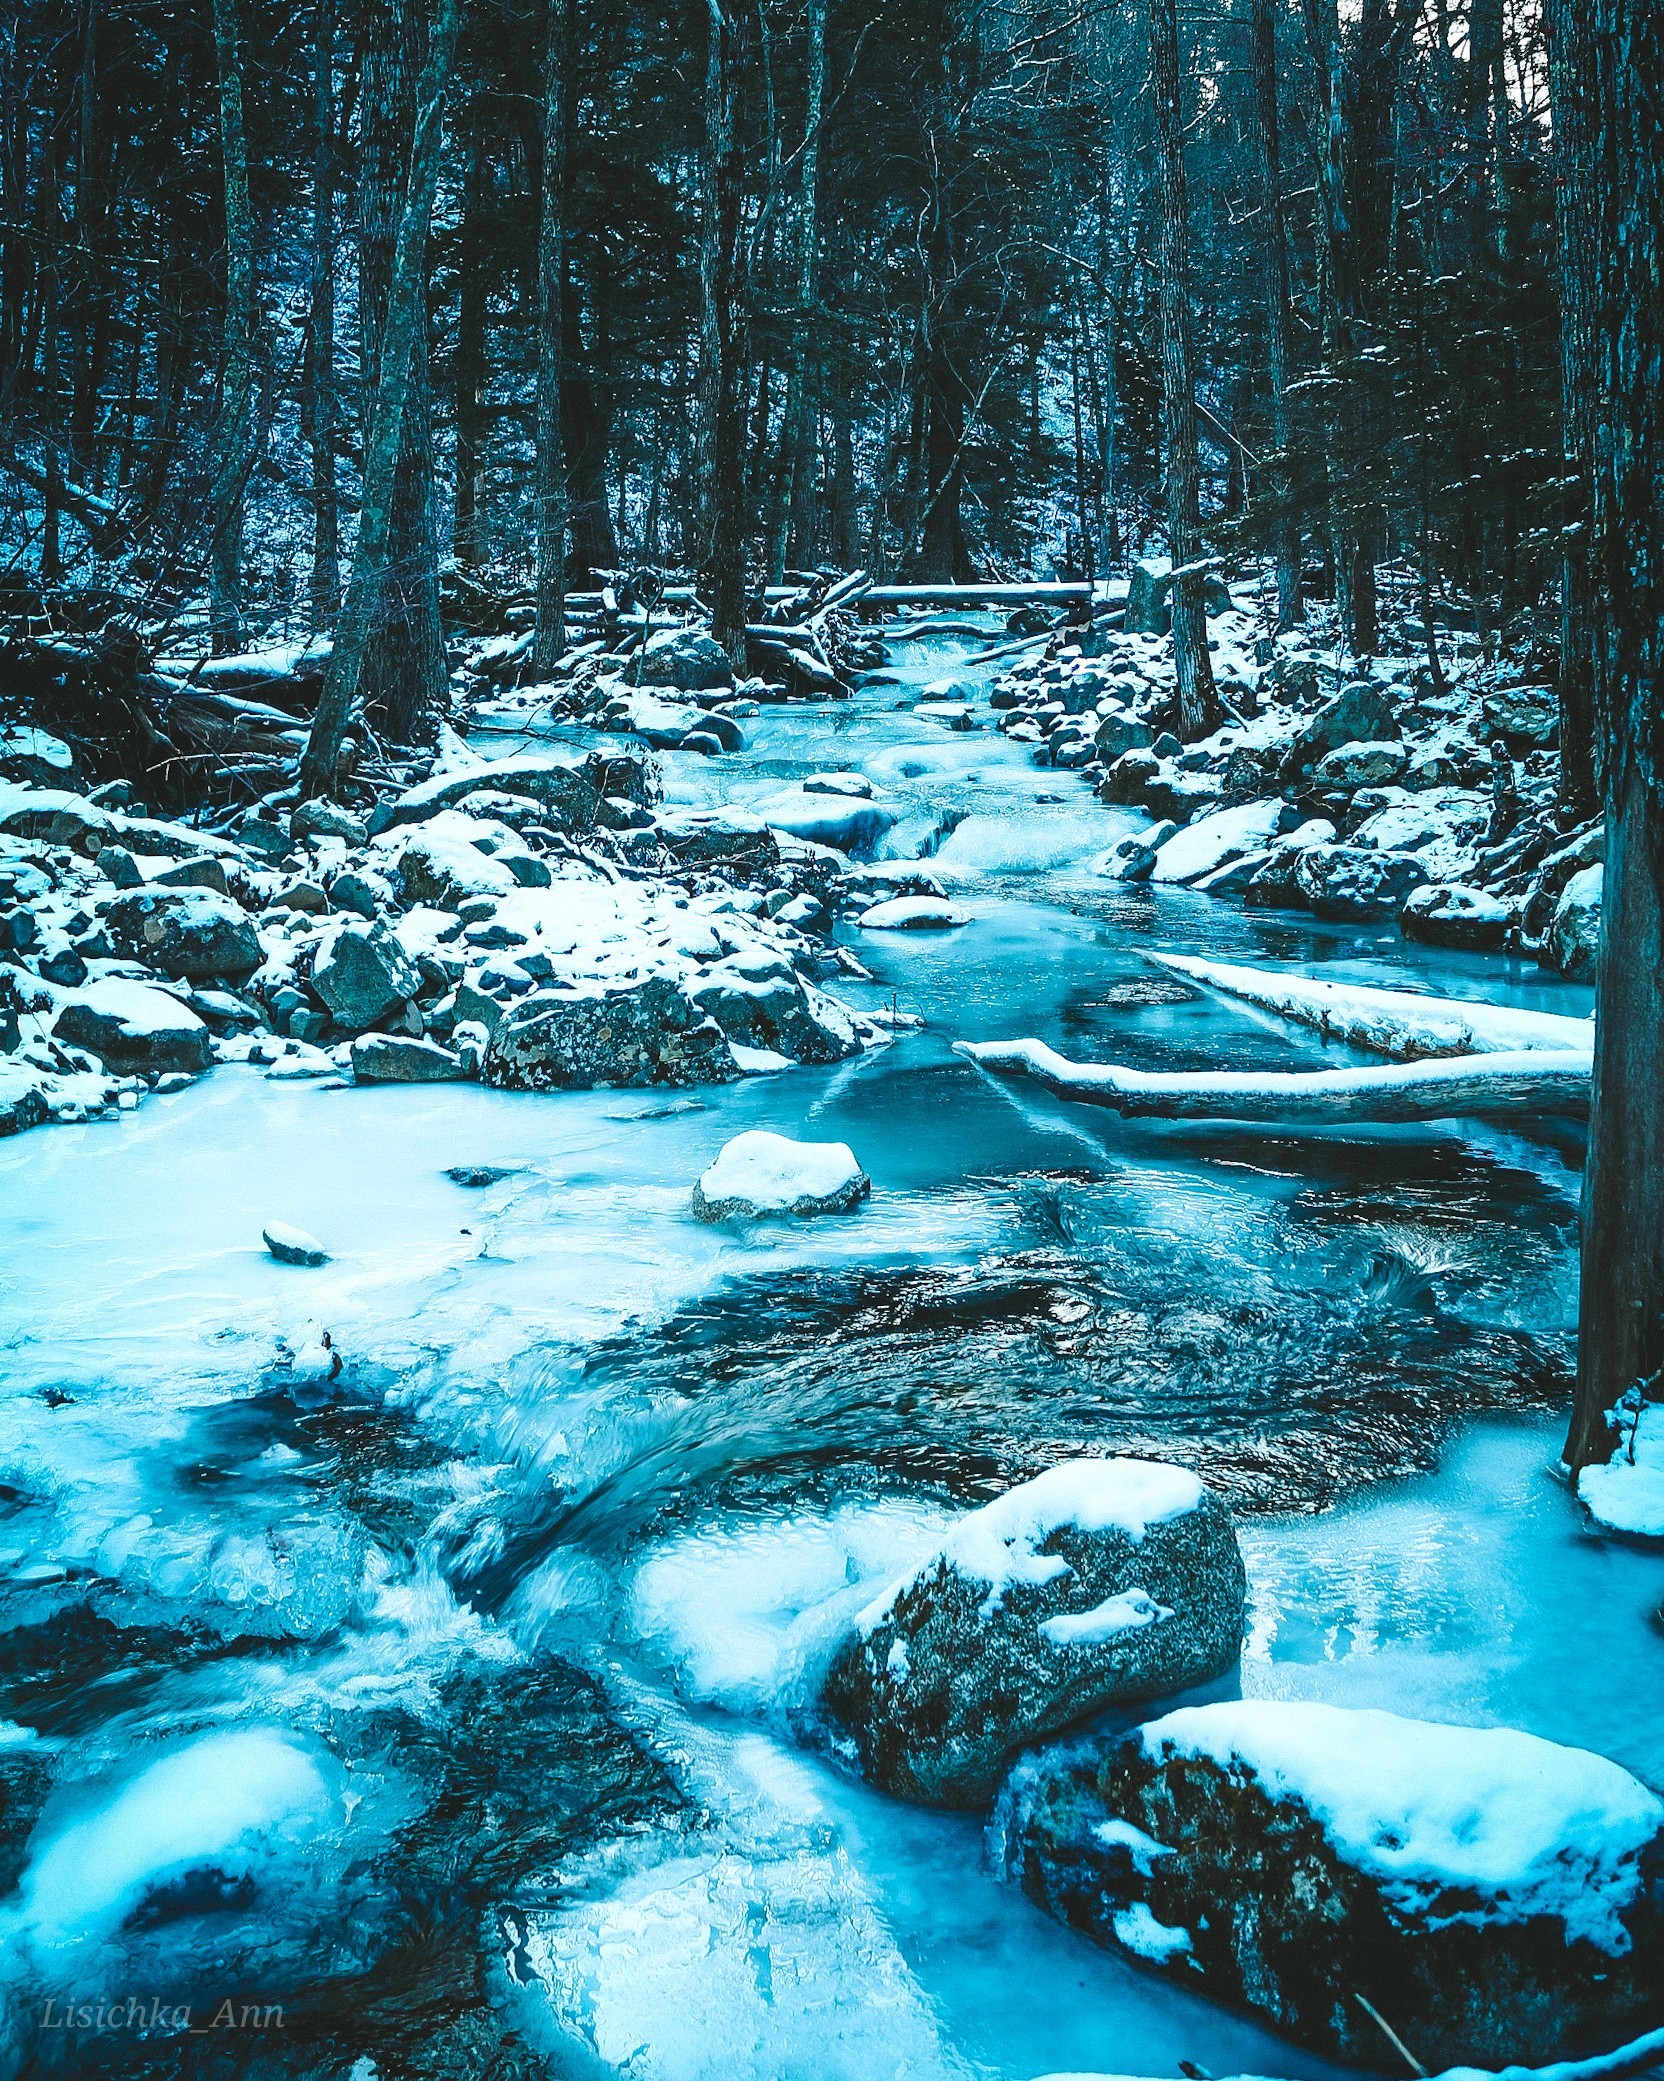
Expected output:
(438, 1683)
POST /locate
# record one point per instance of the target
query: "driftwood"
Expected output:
(1531, 1082)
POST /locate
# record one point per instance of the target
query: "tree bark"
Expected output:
(326, 520)
(550, 639)
(722, 409)
(1198, 704)
(403, 341)
(469, 367)
(225, 584)
(793, 527)
(1621, 1317)
(1278, 348)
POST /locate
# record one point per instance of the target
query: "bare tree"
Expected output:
(550, 639)
(722, 407)
(326, 524)
(225, 584)
(1278, 350)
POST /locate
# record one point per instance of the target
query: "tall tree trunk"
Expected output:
(1575, 200)
(469, 368)
(403, 340)
(1619, 169)
(326, 521)
(92, 301)
(1279, 355)
(550, 639)
(404, 667)
(1198, 704)
(225, 581)
(793, 527)
(722, 408)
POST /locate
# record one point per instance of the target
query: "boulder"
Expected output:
(1361, 713)
(135, 1028)
(729, 838)
(1497, 1898)
(1357, 882)
(1450, 915)
(838, 784)
(397, 1058)
(644, 1033)
(911, 914)
(203, 873)
(687, 659)
(1211, 841)
(851, 823)
(363, 975)
(293, 1245)
(566, 790)
(35, 756)
(1526, 718)
(1573, 943)
(1353, 766)
(1120, 732)
(193, 934)
(1100, 1581)
(761, 1173)
(1149, 610)
(1275, 885)
(318, 818)
(759, 1000)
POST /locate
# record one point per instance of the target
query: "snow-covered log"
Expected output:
(1529, 1081)
(1391, 1022)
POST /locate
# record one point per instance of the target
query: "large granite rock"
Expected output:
(1450, 915)
(1361, 713)
(397, 1058)
(195, 935)
(687, 659)
(758, 999)
(135, 1029)
(1357, 882)
(1098, 1581)
(732, 839)
(645, 1033)
(1573, 944)
(565, 788)
(363, 975)
(1495, 1897)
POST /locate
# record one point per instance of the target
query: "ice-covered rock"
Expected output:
(759, 1173)
(912, 914)
(397, 1058)
(1496, 1897)
(1098, 1581)
(1212, 840)
(1349, 881)
(195, 935)
(1443, 915)
(135, 1027)
(851, 823)
(290, 1245)
(1573, 944)
(363, 975)
(838, 784)
(581, 1036)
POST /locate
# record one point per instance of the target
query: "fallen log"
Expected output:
(1532, 1081)
(1390, 1022)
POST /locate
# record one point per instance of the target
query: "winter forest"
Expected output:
(831, 1040)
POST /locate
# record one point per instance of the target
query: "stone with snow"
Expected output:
(319, 818)
(1353, 766)
(1212, 840)
(1357, 882)
(838, 784)
(734, 839)
(363, 975)
(585, 1035)
(1443, 915)
(1100, 1581)
(37, 757)
(1526, 718)
(911, 914)
(687, 659)
(759, 1000)
(1361, 713)
(1573, 944)
(397, 1058)
(851, 823)
(759, 1173)
(1496, 1897)
(1626, 1493)
(567, 790)
(1120, 732)
(135, 1027)
(194, 935)
(291, 1245)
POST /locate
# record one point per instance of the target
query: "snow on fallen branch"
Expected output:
(1391, 1022)
(1533, 1081)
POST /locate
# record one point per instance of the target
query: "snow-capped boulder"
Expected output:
(134, 1027)
(1443, 915)
(1573, 944)
(759, 1173)
(851, 823)
(759, 1000)
(579, 1037)
(688, 659)
(1497, 1898)
(1225, 835)
(1526, 718)
(1133, 858)
(37, 757)
(1353, 766)
(734, 839)
(1349, 881)
(1120, 732)
(363, 975)
(319, 818)
(838, 784)
(290, 1245)
(194, 935)
(398, 1058)
(1361, 713)
(566, 788)
(912, 914)
(1098, 1581)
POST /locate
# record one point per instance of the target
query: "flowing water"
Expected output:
(437, 1682)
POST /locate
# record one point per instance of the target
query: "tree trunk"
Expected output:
(1575, 198)
(469, 369)
(326, 522)
(225, 584)
(1198, 704)
(403, 338)
(1287, 530)
(403, 672)
(1621, 1317)
(793, 526)
(722, 410)
(550, 639)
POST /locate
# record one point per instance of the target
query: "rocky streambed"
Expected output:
(433, 1642)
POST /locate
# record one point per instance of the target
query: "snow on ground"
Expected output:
(1627, 1493)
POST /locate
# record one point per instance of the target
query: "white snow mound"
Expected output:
(911, 914)
(763, 1173)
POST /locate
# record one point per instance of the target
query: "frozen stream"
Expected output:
(455, 1694)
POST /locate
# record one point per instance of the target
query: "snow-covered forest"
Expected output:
(831, 1040)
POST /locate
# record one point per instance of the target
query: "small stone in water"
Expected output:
(293, 1245)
